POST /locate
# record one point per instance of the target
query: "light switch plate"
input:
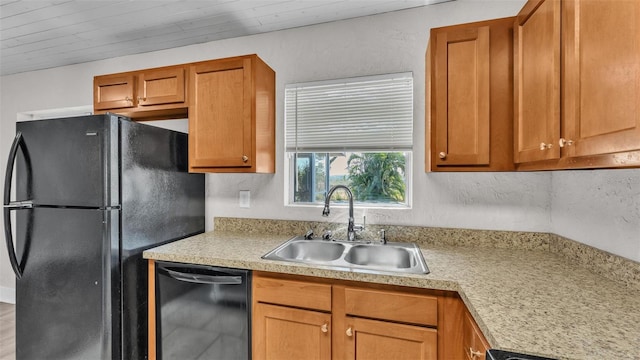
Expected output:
(244, 199)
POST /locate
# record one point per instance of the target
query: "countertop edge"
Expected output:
(245, 251)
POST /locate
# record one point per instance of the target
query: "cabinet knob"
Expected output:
(128, 99)
(349, 332)
(565, 142)
(324, 328)
(544, 146)
(442, 155)
(245, 158)
(474, 354)
(140, 99)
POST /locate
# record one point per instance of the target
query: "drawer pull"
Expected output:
(474, 354)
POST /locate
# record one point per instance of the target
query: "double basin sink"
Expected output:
(353, 255)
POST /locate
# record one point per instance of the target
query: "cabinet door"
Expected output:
(220, 114)
(113, 92)
(372, 339)
(537, 81)
(462, 97)
(474, 344)
(162, 86)
(287, 333)
(601, 94)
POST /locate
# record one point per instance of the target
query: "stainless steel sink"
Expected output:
(385, 256)
(352, 255)
(305, 250)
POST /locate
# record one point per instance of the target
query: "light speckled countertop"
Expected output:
(523, 300)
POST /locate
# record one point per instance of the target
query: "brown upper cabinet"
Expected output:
(232, 116)
(470, 97)
(230, 104)
(151, 93)
(537, 81)
(577, 84)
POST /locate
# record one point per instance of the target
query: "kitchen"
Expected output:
(598, 208)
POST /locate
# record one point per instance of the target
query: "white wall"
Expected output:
(600, 208)
(393, 42)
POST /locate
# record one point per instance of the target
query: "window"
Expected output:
(356, 132)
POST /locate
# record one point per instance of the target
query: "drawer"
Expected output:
(391, 305)
(301, 294)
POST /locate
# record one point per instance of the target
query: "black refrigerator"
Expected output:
(91, 194)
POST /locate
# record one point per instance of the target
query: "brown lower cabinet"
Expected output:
(292, 333)
(374, 339)
(299, 317)
(473, 342)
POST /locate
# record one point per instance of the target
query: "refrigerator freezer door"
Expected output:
(65, 162)
(161, 202)
(63, 310)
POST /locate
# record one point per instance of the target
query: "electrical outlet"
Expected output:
(244, 199)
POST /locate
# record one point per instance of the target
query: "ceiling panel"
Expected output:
(44, 34)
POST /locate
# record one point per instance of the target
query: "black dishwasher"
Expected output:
(202, 312)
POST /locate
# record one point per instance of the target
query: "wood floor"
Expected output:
(7, 331)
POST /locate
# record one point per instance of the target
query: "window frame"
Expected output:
(404, 146)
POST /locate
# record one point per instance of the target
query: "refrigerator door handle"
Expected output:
(204, 279)
(8, 206)
(8, 175)
(17, 205)
(9, 237)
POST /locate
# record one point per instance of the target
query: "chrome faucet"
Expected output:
(351, 228)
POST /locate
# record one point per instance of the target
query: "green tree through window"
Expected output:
(377, 176)
(373, 177)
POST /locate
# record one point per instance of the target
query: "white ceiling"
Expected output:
(44, 34)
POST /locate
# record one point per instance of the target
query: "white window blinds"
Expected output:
(373, 113)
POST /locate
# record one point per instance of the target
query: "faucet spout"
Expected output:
(326, 211)
(351, 234)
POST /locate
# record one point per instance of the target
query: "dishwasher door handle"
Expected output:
(204, 279)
